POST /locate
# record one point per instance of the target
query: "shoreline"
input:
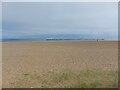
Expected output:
(66, 41)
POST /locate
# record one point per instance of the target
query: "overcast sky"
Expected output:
(30, 19)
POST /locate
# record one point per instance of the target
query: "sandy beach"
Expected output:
(72, 64)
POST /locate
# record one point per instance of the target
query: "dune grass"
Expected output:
(69, 79)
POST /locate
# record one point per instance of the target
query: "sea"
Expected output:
(50, 37)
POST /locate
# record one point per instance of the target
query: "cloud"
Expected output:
(0, 21)
(22, 19)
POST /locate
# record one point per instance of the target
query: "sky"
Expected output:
(0, 20)
(30, 20)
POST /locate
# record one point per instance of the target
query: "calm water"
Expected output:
(48, 37)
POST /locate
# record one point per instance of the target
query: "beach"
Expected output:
(55, 64)
(0, 65)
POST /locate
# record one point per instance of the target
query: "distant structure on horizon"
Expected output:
(72, 39)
